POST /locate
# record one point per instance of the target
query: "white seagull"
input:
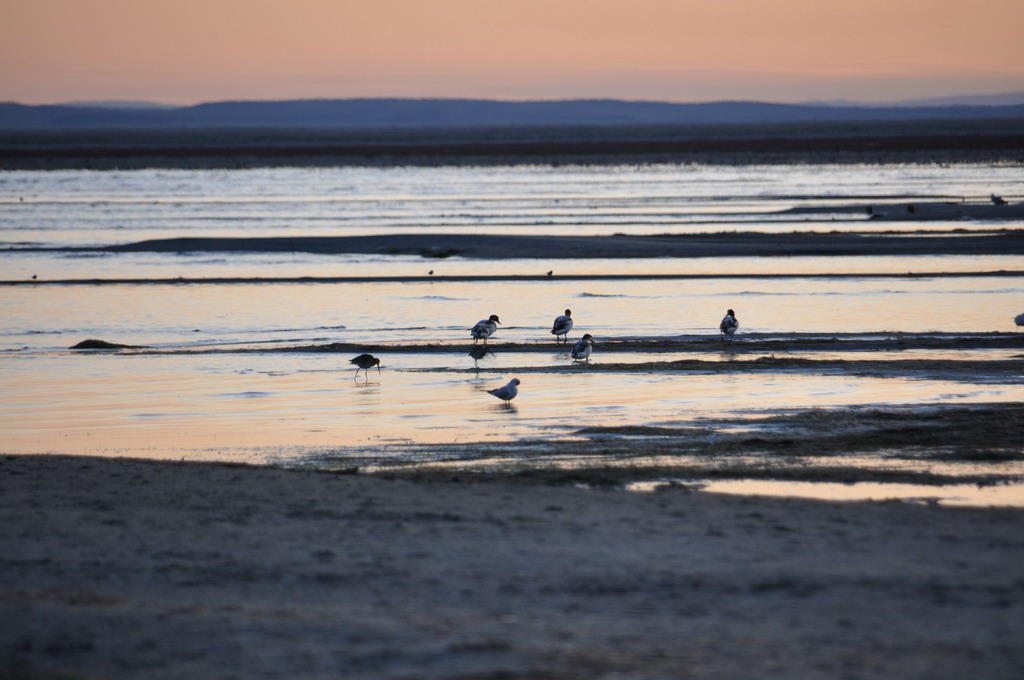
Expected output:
(583, 347)
(508, 392)
(562, 325)
(729, 324)
(484, 328)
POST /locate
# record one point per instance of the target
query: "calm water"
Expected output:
(277, 407)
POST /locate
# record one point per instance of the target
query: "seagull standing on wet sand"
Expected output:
(508, 392)
(729, 325)
(484, 328)
(562, 325)
(583, 347)
(364, 361)
(1019, 320)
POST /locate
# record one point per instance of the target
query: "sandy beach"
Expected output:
(117, 568)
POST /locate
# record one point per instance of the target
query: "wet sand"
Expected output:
(929, 446)
(499, 246)
(746, 353)
(120, 568)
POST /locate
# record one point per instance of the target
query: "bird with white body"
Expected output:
(562, 325)
(508, 392)
(484, 328)
(583, 347)
(729, 324)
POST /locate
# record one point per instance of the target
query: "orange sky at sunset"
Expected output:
(192, 51)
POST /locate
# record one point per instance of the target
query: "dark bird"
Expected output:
(997, 200)
(583, 347)
(484, 328)
(551, 272)
(728, 325)
(364, 362)
(508, 392)
(562, 325)
(1019, 320)
(478, 352)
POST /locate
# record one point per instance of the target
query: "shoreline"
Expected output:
(119, 568)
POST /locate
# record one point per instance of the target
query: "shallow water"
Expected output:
(251, 406)
(290, 407)
(56, 317)
(950, 494)
(102, 208)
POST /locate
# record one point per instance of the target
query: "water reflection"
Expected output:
(163, 404)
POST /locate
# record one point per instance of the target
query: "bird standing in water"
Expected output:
(729, 325)
(364, 362)
(484, 328)
(508, 392)
(562, 325)
(583, 347)
(478, 352)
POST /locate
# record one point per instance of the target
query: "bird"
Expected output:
(1019, 320)
(729, 324)
(997, 200)
(583, 347)
(484, 328)
(364, 361)
(508, 392)
(562, 325)
(478, 352)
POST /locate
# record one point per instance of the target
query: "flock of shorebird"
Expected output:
(581, 350)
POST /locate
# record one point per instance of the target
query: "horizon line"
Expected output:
(943, 100)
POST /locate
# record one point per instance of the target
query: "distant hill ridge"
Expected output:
(461, 113)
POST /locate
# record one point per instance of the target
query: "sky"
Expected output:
(192, 51)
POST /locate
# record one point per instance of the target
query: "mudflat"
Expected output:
(120, 568)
